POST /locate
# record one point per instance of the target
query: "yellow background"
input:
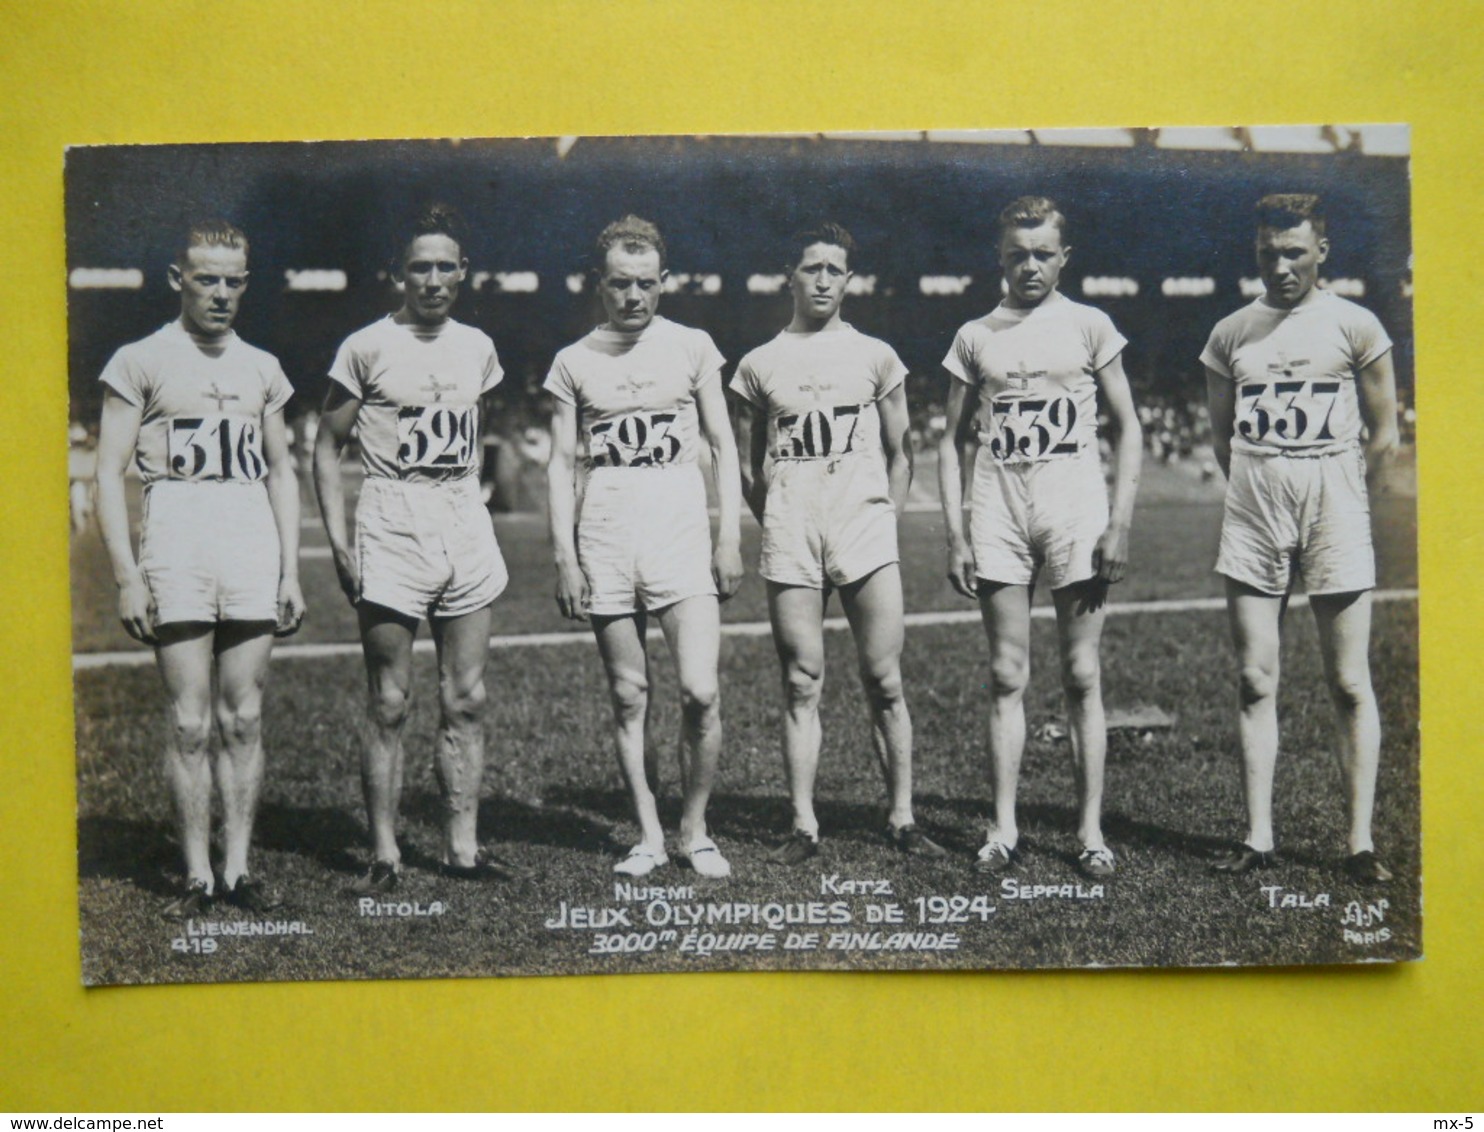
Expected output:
(109, 72)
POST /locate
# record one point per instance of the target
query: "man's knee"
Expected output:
(803, 681)
(699, 695)
(1350, 691)
(1009, 672)
(883, 685)
(388, 704)
(241, 721)
(1256, 683)
(630, 695)
(1081, 674)
(190, 729)
(462, 701)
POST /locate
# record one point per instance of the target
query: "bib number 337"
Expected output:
(437, 436)
(215, 447)
(1289, 414)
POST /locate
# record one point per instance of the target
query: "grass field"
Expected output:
(553, 799)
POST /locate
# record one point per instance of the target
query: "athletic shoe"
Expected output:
(192, 902)
(251, 896)
(641, 861)
(1096, 863)
(1244, 859)
(1366, 868)
(799, 848)
(487, 866)
(706, 859)
(380, 879)
(995, 856)
(912, 841)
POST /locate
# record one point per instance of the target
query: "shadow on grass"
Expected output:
(137, 850)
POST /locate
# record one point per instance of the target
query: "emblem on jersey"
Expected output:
(1284, 367)
(638, 440)
(1020, 379)
(817, 434)
(437, 437)
(439, 388)
(1023, 429)
(214, 446)
(636, 387)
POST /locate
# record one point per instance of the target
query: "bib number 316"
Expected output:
(215, 447)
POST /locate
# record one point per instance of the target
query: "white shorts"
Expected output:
(1312, 513)
(644, 538)
(427, 549)
(209, 551)
(828, 521)
(1026, 516)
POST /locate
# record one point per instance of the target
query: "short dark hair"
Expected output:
(432, 219)
(1289, 210)
(633, 234)
(826, 233)
(210, 233)
(1032, 212)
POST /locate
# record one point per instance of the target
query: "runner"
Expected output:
(633, 398)
(200, 412)
(1026, 380)
(1290, 379)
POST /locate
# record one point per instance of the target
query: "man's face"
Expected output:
(210, 282)
(1288, 260)
(818, 282)
(1032, 259)
(432, 269)
(631, 286)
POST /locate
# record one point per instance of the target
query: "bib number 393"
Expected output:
(817, 434)
(215, 447)
(638, 440)
(437, 436)
(1032, 428)
(1288, 414)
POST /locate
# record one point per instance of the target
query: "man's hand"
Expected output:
(137, 609)
(961, 569)
(347, 573)
(726, 569)
(290, 608)
(1110, 556)
(572, 593)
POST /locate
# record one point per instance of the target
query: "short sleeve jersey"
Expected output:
(1034, 371)
(820, 390)
(636, 392)
(202, 403)
(419, 388)
(1295, 373)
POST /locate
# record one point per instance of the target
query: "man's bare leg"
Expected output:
(1255, 624)
(873, 606)
(692, 629)
(797, 614)
(1079, 623)
(242, 651)
(1344, 622)
(386, 638)
(1007, 621)
(463, 648)
(626, 662)
(184, 657)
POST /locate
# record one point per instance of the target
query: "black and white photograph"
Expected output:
(931, 550)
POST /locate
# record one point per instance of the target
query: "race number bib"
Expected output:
(1023, 429)
(639, 440)
(437, 437)
(817, 434)
(215, 447)
(1287, 414)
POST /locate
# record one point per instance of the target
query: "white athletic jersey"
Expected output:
(419, 388)
(202, 404)
(820, 391)
(1034, 371)
(636, 392)
(1295, 373)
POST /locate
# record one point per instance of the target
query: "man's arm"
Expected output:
(962, 403)
(1110, 556)
(726, 562)
(335, 423)
(896, 444)
(1221, 405)
(561, 505)
(752, 423)
(283, 498)
(1378, 410)
(118, 433)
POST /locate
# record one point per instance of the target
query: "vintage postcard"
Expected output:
(933, 550)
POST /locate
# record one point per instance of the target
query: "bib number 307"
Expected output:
(817, 434)
(638, 440)
(215, 447)
(437, 436)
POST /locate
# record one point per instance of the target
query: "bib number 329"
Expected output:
(215, 447)
(1032, 428)
(638, 440)
(437, 436)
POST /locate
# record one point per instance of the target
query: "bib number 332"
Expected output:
(215, 447)
(638, 440)
(1032, 428)
(437, 436)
